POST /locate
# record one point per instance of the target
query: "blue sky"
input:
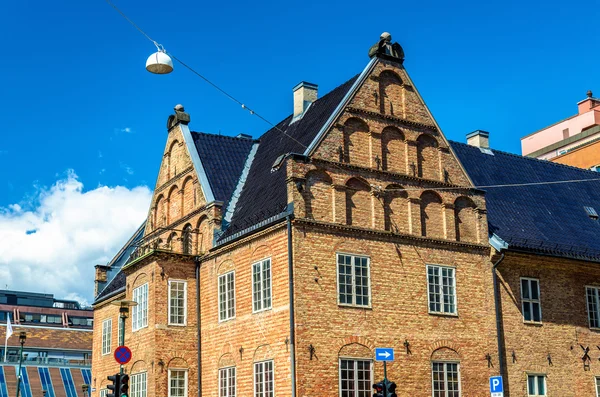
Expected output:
(78, 106)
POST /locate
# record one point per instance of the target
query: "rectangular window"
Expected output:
(354, 280)
(530, 299)
(445, 379)
(597, 387)
(177, 383)
(177, 302)
(441, 282)
(137, 383)
(356, 378)
(227, 382)
(536, 385)
(227, 296)
(103, 392)
(67, 379)
(593, 306)
(87, 376)
(139, 316)
(261, 285)
(263, 379)
(106, 336)
(46, 381)
(25, 386)
(3, 387)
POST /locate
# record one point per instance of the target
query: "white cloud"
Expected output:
(51, 243)
(126, 130)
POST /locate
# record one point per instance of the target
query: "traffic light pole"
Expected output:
(385, 380)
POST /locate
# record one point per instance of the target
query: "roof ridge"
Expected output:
(223, 136)
(531, 158)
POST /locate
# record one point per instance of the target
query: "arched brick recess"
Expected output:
(173, 154)
(203, 235)
(262, 353)
(393, 148)
(140, 279)
(177, 362)
(465, 219)
(227, 360)
(355, 350)
(432, 221)
(225, 267)
(174, 201)
(390, 93)
(428, 159)
(187, 196)
(186, 240)
(138, 366)
(261, 252)
(395, 209)
(172, 241)
(356, 142)
(444, 344)
(319, 196)
(352, 246)
(361, 340)
(160, 218)
(444, 354)
(359, 206)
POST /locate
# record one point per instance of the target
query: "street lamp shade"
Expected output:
(22, 337)
(159, 63)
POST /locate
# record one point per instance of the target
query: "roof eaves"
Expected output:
(343, 103)
(110, 295)
(200, 172)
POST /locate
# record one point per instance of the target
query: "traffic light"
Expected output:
(391, 389)
(378, 389)
(124, 389)
(113, 389)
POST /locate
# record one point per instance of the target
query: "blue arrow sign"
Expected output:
(384, 354)
(496, 386)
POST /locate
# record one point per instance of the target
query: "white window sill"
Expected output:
(355, 306)
(262, 310)
(177, 325)
(534, 323)
(443, 314)
(226, 320)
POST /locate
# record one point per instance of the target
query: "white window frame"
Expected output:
(597, 303)
(106, 336)
(531, 301)
(441, 292)
(597, 385)
(139, 315)
(337, 272)
(133, 382)
(103, 392)
(229, 305)
(263, 394)
(355, 359)
(227, 378)
(445, 363)
(185, 371)
(261, 301)
(537, 375)
(170, 310)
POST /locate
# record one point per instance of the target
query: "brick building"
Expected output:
(275, 266)
(57, 350)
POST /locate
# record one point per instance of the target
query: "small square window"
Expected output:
(536, 385)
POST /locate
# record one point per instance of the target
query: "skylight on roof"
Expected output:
(591, 212)
(486, 151)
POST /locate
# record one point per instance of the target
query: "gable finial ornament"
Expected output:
(180, 116)
(385, 49)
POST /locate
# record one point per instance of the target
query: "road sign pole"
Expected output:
(385, 380)
(122, 338)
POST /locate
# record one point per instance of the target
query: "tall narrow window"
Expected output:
(106, 336)
(593, 306)
(356, 378)
(227, 382)
(3, 387)
(177, 302)
(25, 386)
(139, 316)
(261, 285)
(138, 385)
(67, 379)
(263, 379)
(445, 379)
(227, 296)
(46, 382)
(442, 289)
(530, 299)
(536, 385)
(353, 280)
(177, 383)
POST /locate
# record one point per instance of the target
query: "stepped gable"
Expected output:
(544, 218)
(264, 193)
(223, 159)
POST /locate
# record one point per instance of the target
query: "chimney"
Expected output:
(479, 138)
(100, 279)
(304, 94)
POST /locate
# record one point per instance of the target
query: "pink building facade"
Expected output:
(567, 134)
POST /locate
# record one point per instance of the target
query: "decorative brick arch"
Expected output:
(428, 157)
(359, 203)
(174, 210)
(354, 339)
(226, 360)
(396, 209)
(465, 219)
(177, 362)
(444, 344)
(390, 93)
(356, 141)
(139, 366)
(352, 246)
(262, 353)
(432, 215)
(393, 150)
(140, 279)
(262, 251)
(225, 267)
(188, 196)
(318, 196)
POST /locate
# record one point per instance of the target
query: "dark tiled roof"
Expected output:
(264, 192)
(223, 159)
(115, 277)
(545, 218)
